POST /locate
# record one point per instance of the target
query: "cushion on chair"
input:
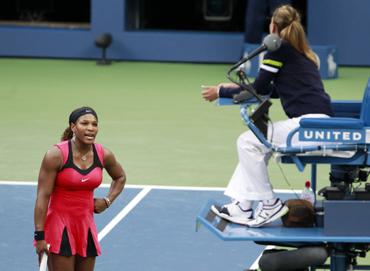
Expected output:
(346, 109)
(340, 123)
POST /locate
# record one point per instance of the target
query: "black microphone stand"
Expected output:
(243, 81)
(260, 116)
(270, 43)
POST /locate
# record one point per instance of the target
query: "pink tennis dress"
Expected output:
(70, 228)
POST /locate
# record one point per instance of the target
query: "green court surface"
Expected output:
(151, 116)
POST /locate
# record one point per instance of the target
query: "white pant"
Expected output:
(250, 180)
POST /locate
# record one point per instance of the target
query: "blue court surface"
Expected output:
(147, 228)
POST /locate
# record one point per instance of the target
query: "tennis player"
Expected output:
(65, 204)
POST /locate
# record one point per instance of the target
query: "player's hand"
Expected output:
(99, 205)
(210, 93)
(41, 248)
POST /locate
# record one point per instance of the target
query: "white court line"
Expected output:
(255, 266)
(131, 205)
(145, 190)
(160, 187)
(138, 186)
(123, 213)
(6, 182)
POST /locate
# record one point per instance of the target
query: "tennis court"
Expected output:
(152, 117)
(147, 228)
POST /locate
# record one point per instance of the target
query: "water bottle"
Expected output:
(307, 193)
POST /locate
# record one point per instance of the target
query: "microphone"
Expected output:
(270, 43)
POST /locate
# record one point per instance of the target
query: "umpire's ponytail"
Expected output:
(288, 22)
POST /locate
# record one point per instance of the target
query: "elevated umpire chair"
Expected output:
(342, 141)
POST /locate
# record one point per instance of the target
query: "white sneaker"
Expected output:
(233, 212)
(268, 213)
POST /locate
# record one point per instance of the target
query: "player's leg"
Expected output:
(85, 263)
(61, 263)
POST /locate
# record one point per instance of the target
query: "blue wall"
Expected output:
(109, 16)
(341, 22)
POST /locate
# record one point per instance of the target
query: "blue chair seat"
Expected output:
(349, 130)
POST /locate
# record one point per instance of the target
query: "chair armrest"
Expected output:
(329, 123)
(230, 101)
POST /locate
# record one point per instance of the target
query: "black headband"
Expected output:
(73, 117)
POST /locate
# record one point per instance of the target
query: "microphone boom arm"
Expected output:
(270, 43)
(243, 81)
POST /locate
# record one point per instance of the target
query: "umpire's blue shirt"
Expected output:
(291, 76)
(295, 79)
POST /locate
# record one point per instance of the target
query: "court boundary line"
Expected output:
(145, 189)
(255, 264)
(124, 212)
(158, 187)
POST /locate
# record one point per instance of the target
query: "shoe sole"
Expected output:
(236, 220)
(283, 211)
